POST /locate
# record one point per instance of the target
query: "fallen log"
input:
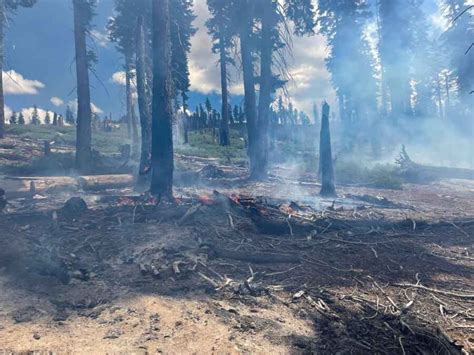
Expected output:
(415, 172)
(21, 186)
(103, 182)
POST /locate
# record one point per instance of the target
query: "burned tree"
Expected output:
(144, 97)
(325, 156)
(162, 161)
(83, 12)
(245, 31)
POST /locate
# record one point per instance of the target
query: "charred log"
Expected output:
(419, 173)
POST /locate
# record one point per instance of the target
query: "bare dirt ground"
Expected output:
(255, 268)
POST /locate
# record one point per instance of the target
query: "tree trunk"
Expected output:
(2, 100)
(325, 156)
(268, 24)
(128, 94)
(136, 138)
(249, 84)
(143, 101)
(224, 129)
(162, 132)
(83, 131)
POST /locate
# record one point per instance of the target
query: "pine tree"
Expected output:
(47, 118)
(458, 39)
(236, 114)
(222, 30)
(395, 52)
(83, 14)
(349, 62)
(122, 29)
(70, 116)
(21, 119)
(13, 118)
(181, 31)
(315, 114)
(35, 120)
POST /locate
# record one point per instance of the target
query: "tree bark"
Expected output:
(128, 94)
(268, 23)
(249, 83)
(83, 131)
(162, 160)
(144, 103)
(224, 129)
(325, 156)
(2, 100)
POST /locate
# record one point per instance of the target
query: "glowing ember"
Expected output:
(206, 200)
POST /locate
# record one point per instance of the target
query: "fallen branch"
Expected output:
(441, 292)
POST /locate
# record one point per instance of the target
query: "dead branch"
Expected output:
(441, 292)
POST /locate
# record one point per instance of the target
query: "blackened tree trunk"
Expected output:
(249, 82)
(128, 94)
(224, 129)
(144, 101)
(84, 114)
(2, 100)
(268, 23)
(135, 137)
(325, 156)
(162, 161)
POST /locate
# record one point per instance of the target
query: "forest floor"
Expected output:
(235, 266)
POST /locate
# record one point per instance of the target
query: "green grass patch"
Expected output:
(382, 176)
(204, 145)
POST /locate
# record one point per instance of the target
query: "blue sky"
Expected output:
(40, 50)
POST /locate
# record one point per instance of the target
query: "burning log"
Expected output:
(422, 173)
(325, 156)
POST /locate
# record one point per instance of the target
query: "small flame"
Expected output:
(206, 200)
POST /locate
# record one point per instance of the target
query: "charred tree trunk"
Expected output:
(2, 100)
(162, 133)
(268, 23)
(143, 101)
(224, 129)
(84, 114)
(325, 156)
(136, 138)
(249, 83)
(128, 94)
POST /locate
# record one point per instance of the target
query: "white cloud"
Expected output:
(95, 109)
(56, 101)
(28, 112)
(119, 78)
(310, 82)
(8, 113)
(15, 84)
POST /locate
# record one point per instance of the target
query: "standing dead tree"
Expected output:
(143, 80)
(162, 162)
(325, 156)
(83, 12)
